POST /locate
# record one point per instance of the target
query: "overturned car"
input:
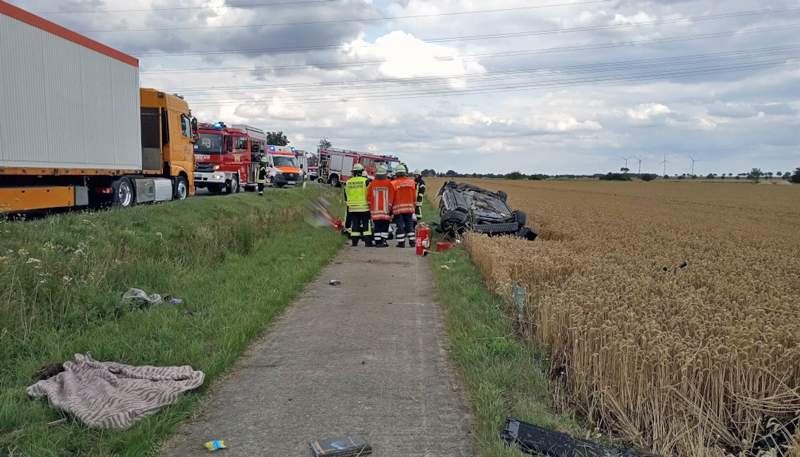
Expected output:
(464, 207)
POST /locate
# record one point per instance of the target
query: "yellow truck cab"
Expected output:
(168, 135)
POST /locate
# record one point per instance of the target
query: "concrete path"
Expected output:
(366, 357)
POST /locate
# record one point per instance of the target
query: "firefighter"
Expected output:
(261, 175)
(420, 195)
(403, 204)
(380, 195)
(355, 194)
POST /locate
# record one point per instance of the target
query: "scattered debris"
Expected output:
(445, 267)
(215, 445)
(443, 246)
(112, 396)
(176, 301)
(520, 294)
(139, 297)
(675, 270)
(349, 446)
(537, 440)
(335, 282)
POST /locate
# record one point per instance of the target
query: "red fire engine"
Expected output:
(226, 157)
(336, 165)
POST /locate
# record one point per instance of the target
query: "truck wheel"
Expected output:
(521, 217)
(123, 192)
(335, 181)
(181, 188)
(232, 186)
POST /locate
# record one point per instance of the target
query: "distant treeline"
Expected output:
(754, 175)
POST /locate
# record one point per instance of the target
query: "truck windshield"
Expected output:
(284, 161)
(389, 166)
(209, 143)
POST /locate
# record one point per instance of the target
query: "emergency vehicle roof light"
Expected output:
(293, 150)
(218, 125)
(272, 148)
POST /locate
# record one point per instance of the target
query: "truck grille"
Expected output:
(204, 167)
(291, 176)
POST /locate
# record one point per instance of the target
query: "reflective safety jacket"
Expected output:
(420, 190)
(355, 194)
(380, 195)
(405, 196)
(261, 173)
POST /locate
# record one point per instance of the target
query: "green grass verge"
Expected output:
(236, 261)
(505, 376)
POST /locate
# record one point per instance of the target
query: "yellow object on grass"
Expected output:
(445, 267)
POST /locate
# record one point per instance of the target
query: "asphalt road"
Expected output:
(368, 357)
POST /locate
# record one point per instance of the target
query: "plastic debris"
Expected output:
(443, 246)
(139, 297)
(348, 446)
(537, 440)
(676, 269)
(335, 282)
(445, 267)
(215, 445)
(176, 301)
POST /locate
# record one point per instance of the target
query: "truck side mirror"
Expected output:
(230, 144)
(195, 135)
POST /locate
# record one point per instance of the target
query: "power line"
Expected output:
(636, 77)
(257, 5)
(175, 8)
(484, 55)
(784, 51)
(417, 16)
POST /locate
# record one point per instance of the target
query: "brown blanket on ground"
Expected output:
(113, 396)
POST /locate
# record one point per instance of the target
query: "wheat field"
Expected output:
(696, 361)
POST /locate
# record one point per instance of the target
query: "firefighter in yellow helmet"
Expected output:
(355, 195)
(261, 175)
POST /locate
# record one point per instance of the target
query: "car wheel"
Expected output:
(181, 188)
(521, 218)
(123, 192)
(502, 195)
(453, 223)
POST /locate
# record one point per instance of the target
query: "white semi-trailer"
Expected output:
(76, 129)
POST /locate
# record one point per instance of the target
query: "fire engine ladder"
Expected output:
(324, 168)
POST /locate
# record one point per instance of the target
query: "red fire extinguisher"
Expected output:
(423, 238)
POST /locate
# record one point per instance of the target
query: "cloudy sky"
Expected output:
(540, 86)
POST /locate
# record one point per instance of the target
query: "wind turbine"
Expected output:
(693, 161)
(626, 160)
(665, 162)
(640, 160)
